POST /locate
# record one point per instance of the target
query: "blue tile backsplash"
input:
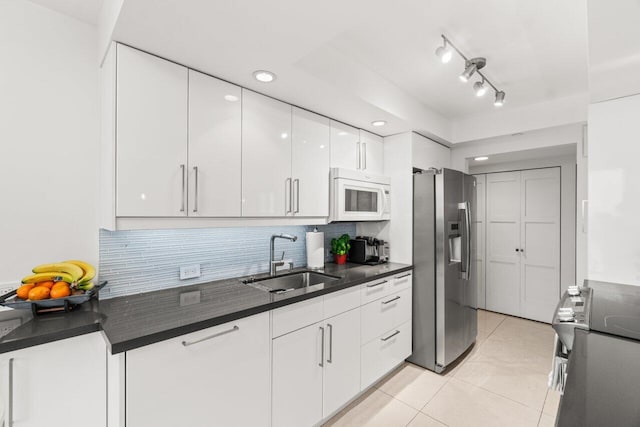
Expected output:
(147, 260)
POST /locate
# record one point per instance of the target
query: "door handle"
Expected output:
(364, 156)
(10, 395)
(219, 334)
(321, 364)
(287, 190)
(391, 300)
(195, 202)
(296, 183)
(184, 181)
(373, 285)
(358, 155)
(390, 336)
(466, 264)
(330, 328)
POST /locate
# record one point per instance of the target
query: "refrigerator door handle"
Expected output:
(466, 264)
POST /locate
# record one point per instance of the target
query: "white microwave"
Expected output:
(359, 196)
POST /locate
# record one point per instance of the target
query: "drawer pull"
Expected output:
(405, 275)
(321, 364)
(228, 331)
(373, 285)
(391, 300)
(390, 336)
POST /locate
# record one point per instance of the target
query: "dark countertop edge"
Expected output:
(132, 344)
(7, 347)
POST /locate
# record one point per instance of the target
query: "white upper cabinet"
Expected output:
(215, 147)
(310, 157)
(151, 136)
(429, 154)
(345, 146)
(266, 156)
(371, 153)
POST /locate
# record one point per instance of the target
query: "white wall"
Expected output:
(49, 132)
(582, 172)
(614, 189)
(560, 135)
(567, 207)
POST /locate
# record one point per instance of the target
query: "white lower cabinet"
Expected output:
(383, 353)
(62, 383)
(342, 361)
(297, 377)
(217, 376)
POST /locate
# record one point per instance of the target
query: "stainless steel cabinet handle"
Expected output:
(391, 300)
(195, 202)
(296, 183)
(373, 285)
(228, 331)
(330, 358)
(358, 155)
(390, 336)
(404, 275)
(287, 190)
(321, 364)
(364, 156)
(184, 181)
(10, 396)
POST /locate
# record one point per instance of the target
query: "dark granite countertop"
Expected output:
(133, 321)
(602, 382)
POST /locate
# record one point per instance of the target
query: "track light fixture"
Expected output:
(471, 66)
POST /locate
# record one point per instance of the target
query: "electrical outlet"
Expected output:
(9, 325)
(189, 271)
(189, 298)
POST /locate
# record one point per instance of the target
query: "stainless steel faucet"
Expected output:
(272, 263)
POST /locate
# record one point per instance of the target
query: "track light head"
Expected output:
(471, 66)
(444, 53)
(499, 102)
(480, 88)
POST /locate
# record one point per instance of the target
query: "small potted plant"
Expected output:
(340, 247)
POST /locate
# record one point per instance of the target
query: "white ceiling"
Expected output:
(364, 60)
(84, 10)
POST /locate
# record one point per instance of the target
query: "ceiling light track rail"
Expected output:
(472, 66)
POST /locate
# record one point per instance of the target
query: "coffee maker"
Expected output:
(368, 250)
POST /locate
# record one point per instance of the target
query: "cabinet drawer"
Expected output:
(375, 289)
(385, 313)
(341, 301)
(382, 354)
(401, 281)
(296, 316)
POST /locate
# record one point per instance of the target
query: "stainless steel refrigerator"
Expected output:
(445, 322)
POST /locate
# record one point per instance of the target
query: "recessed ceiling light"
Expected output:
(481, 158)
(231, 98)
(264, 76)
(284, 135)
(379, 123)
(342, 133)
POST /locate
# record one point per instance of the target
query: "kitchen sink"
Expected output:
(290, 282)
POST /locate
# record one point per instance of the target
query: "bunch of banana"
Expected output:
(77, 273)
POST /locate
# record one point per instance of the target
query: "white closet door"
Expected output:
(503, 238)
(478, 237)
(540, 243)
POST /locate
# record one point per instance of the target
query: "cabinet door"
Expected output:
(478, 238)
(503, 238)
(310, 163)
(297, 377)
(215, 126)
(151, 135)
(266, 156)
(342, 360)
(48, 378)
(345, 146)
(209, 382)
(371, 153)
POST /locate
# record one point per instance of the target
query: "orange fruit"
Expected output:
(60, 291)
(23, 291)
(48, 284)
(59, 285)
(38, 293)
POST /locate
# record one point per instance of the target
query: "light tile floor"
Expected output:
(501, 381)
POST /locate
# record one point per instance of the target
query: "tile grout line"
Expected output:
(546, 396)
